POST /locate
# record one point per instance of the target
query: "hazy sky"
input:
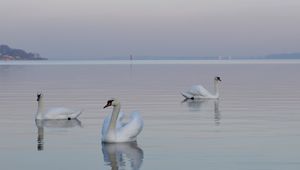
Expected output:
(110, 28)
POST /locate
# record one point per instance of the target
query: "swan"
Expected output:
(54, 113)
(115, 130)
(199, 91)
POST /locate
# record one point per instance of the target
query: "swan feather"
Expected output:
(61, 113)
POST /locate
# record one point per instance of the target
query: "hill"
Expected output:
(7, 53)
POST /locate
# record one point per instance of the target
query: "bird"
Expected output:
(198, 91)
(115, 130)
(54, 113)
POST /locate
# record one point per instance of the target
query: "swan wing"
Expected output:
(120, 122)
(61, 113)
(198, 90)
(187, 95)
(130, 130)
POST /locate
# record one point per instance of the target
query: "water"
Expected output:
(255, 125)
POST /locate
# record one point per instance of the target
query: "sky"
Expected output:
(116, 28)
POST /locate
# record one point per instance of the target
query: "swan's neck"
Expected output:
(114, 117)
(39, 109)
(216, 83)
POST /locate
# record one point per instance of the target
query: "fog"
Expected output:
(98, 28)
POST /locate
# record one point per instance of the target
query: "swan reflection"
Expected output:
(62, 124)
(200, 105)
(217, 112)
(122, 155)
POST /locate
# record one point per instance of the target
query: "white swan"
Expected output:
(115, 130)
(199, 91)
(54, 113)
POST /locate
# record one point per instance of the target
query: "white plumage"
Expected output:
(54, 113)
(115, 129)
(198, 91)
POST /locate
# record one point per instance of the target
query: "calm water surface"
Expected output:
(255, 125)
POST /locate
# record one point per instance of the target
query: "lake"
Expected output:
(255, 125)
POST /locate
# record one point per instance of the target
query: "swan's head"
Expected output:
(217, 78)
(39, 96)
(112, 102)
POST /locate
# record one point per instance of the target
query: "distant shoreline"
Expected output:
(12, 54)
(293, 56)
(143, 62)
